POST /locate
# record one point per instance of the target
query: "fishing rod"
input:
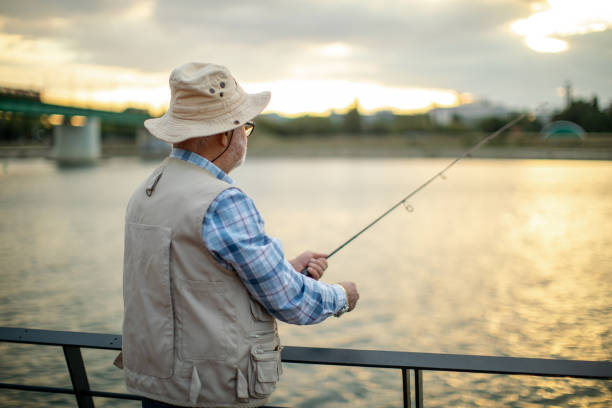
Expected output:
(440, 174)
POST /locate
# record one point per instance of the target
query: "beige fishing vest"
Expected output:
(192, 334)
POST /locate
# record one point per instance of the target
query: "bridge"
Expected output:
(76, 130)
(28, 102)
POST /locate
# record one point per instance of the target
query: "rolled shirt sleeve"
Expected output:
(233, 231)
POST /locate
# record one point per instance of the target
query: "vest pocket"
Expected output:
(148, 329)
(263, 370)
(205, 317)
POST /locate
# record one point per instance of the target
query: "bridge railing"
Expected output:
(73, 342)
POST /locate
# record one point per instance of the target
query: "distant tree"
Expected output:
(608, 113)
(352, 119)
(530, 125)
(137, 111)
(380, 126)
(492, 123)
(586, 114)
(311, 125)
(22, 128)
(403, 123)
(269, 125)
(456, 125)
(314, 125)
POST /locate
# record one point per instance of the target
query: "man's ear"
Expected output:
(224, 138)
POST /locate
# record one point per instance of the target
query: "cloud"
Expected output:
(465, 45)
(544, 30)
(40, 9)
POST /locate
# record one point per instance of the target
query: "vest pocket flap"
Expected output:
(242, 387)
(267, 371)
(259, 353)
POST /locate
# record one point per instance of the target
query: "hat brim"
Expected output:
(174, 130)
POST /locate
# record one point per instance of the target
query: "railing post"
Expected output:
(418, 388)
(406, 387)
(78, 376)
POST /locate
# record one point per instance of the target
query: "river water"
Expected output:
(505, 257)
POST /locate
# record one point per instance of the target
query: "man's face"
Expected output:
(239, 146)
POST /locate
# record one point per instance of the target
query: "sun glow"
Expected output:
(293, 97)
(335, 50)
(544, 30)
(289, 97)
(546, 44)
(51, 70)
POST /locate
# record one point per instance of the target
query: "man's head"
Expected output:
(226, 150)
(208, 109)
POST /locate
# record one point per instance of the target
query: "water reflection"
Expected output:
(503, 258)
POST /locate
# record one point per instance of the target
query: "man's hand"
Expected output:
(351, 294)
(315, 262)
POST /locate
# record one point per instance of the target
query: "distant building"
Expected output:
(469, 113)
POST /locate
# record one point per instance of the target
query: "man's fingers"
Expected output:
(320, 263)
(314, 273)
(315, 263)
(316, 267)
(315, 270)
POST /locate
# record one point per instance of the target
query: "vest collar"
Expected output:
(202, 162)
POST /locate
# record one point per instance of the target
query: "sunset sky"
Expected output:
(313, 55)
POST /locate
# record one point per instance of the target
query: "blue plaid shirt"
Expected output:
(233, 231)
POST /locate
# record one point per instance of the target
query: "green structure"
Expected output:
(76, 131)
(563, 129)
(29, 103)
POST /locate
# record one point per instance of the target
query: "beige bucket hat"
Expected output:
(205, 100)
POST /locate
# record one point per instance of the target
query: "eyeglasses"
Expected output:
(249, 127)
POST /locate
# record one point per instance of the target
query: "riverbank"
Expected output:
(426, 145)
(511, 146)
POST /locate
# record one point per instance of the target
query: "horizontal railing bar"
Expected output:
(69, 391)
(450, 362)
(116, 395)
(38, 388)
(61, 338)
(359, 358)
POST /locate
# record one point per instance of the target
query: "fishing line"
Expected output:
(440, 174)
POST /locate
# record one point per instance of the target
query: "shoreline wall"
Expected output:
(509, 146)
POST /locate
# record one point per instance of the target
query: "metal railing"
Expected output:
(72, 342)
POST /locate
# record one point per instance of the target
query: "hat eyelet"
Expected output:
(236, 122)
(211, 90)
(222, 84)
(221, 94)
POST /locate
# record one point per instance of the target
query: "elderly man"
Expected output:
(203, 283)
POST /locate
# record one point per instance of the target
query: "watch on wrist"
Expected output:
(342, 311)
(345, 308)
